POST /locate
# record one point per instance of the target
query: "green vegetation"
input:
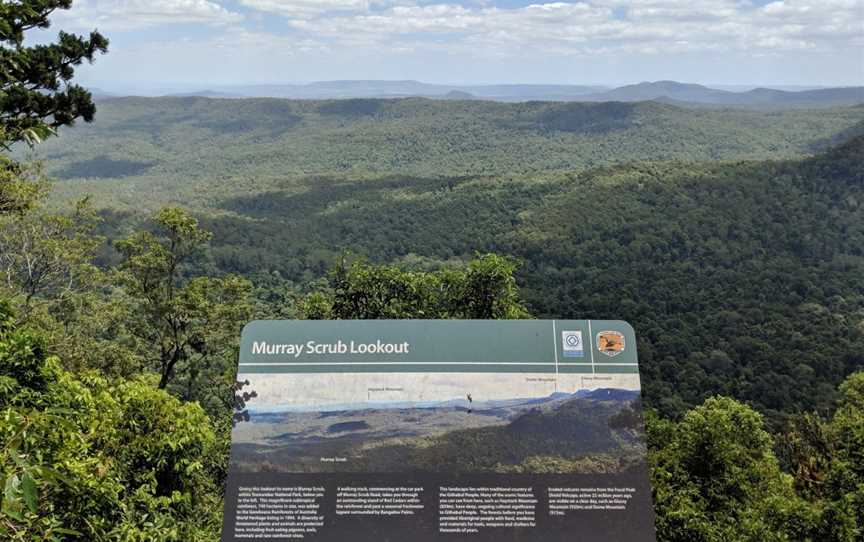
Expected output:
(716, 475)
(203, 153)
(83, 458)
(36, 93)
(739, 274)
(735, 253)
(742, 278)
(184, 324)
(484, 290)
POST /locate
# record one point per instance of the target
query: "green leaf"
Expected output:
(10, 492)
(13, 513)
(70, 532)
(31, 494)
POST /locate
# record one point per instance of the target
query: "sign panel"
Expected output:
(445, 430)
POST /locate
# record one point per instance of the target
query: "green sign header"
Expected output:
(499, 346)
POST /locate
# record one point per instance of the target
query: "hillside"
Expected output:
(200, 151)
(742, 278)
(683, 93)
(766, 98)
(578, 432)
(383, 89)
(741, 275)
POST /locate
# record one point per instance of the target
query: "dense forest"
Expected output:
(205, 152)
(739, 274)
(730, 239)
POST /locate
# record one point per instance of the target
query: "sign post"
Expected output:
(420, 430)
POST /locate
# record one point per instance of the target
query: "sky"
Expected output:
(197, 44)
(311, 391)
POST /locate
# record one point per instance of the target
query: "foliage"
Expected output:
(84, 459)
(21, 186)
(826, 460)
(716, 476)
(249, 156)
(186, 325)
(740, 277)
(46, 260)
(771, 315)
(47, 255)
(484, 289)
(36, 95)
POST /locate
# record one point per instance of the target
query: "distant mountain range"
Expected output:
(495, 436)
(683, 94)
(671, 92)
(597, 395)
(99, 94)
(399, 89)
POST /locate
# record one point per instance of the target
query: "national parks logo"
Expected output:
(610, 343)
(573, 346)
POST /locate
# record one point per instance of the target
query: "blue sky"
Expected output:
(175, 44)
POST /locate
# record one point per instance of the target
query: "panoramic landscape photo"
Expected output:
(447, 423)
(171, 170)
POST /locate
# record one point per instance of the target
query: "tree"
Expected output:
(186, 325)
(36, 93)
(843, 518)
(47, 255)
(484, 289)
(716, 478)
(82, 459)
(47, 273)
(20, 186)
(826, 458)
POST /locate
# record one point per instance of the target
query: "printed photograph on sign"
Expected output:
(438, 431)
(440, 422)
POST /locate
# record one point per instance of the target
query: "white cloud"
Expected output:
(454, 19)
(478, 28)
(589, 27)
(238, 43)
(296, 8)
(377, 38)
(123, 15)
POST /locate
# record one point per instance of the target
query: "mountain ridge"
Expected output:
(683, 93)
(608, 394)
(687, 93)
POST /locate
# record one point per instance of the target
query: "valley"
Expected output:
(486, 437)
(730, 238)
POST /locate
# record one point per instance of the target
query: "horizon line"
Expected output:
(206, 84)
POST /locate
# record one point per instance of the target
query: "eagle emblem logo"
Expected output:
(610, 343)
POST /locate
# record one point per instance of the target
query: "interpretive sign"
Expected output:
(444, 430)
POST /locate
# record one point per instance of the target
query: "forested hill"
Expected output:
(732, 240)
(742, 274)
(196, 151)
(742, 278)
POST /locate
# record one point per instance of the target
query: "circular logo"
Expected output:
(573, 340)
